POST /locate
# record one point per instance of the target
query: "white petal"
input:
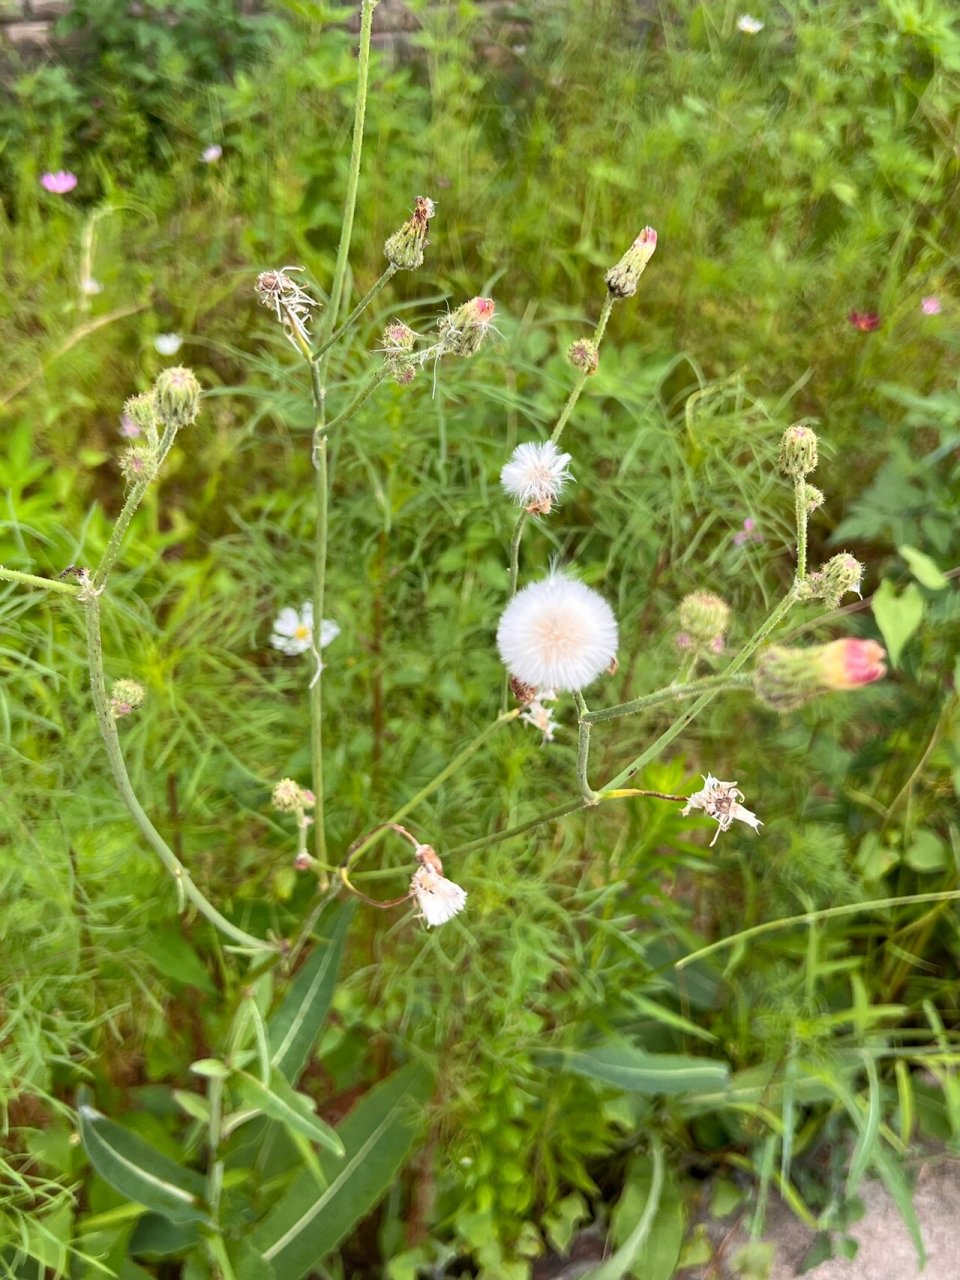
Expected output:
(328, 631)
(744, 815)
(306, 613)
(287, 622)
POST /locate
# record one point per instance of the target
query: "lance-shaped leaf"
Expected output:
(280, 1101)
(138, 1171)
(636, 1071)
(293, 1029)
(377, 1135)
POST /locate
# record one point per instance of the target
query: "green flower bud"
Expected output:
(785, 678)
(462, 331)
(814, 498)
(177, 393)
(798, 450)
(838, 576)
(622, 280)
(142, 410)
(404, 249)
(704, 619)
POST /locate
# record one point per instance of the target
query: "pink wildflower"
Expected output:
(59, 183)
(930, 306)
(865, 321)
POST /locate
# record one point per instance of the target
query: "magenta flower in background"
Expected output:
(865, 321)
(749, 533)
(128, 428)
(59, 183)
(930, 306)
(211, 154)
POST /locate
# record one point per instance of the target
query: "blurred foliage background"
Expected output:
(794, 175)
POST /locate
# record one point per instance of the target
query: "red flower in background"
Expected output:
(865, 321)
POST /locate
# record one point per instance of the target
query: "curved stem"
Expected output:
(129, 510)
(583, 750)
(668, 693)
(108, 731)
(357, 311)
(447, 772)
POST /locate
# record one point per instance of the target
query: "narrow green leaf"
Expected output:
(868, 1126)
(377, 1135)
(173, 956)
(294, 1028)
(901, 1195)
(193, 1104)
(280, 1101)
(621, 1263)
(637, 1071)
(211, 1068)
(138, 1171)
(925, 570)
(898, 617)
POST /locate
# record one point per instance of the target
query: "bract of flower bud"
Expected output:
(798, 450)
(404, 249)
(138, 463)
(177, 394)
(622, 280)
(584, 356)
(785, 678)
(814, 498)
(462, 331)
(831, 583)
(125, 697)
(704, 619)
(398, 336)
(288, 796)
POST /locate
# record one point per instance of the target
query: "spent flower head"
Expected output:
(438, 898)
(623, 279)
(293, 631)
(584, 355)
(404, 249)
(288, 301)
(721, 801)
(535, 475)
(541, 717)
(557, 634)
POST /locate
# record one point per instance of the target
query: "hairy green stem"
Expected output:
(129, 509)
(583, 375)
(655, 748)
(321, 488)
(583, 750)
(108, 731)
(364, 394)
(800, 503)
(31, 580)
(447, 772)
(669, 693)
(357, 311)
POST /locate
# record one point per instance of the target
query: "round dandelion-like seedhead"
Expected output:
(557, 634)
(535, 476)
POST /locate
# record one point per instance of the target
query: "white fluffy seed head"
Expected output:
(536, 474)
(557, 634)
(439, 899)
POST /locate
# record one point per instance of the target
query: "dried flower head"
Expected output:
(584, 356)
(541, 717)
(288, 301)
(535, 475)
(557, 634)
(125, 697)
(786, 678)
(622, 280)
(462, 332)
(721, 801)
(404, 249)
(438, 899)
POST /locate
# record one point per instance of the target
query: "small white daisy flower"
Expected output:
(541, 718)
(293, 631)
(439, 899)
(168, 344)
(557, 634)
(211, 154)
(535, 475)
(720, 800)
(749, 25)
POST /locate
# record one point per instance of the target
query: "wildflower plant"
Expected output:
(558, 637)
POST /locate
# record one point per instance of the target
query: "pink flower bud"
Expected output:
(849, 663)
